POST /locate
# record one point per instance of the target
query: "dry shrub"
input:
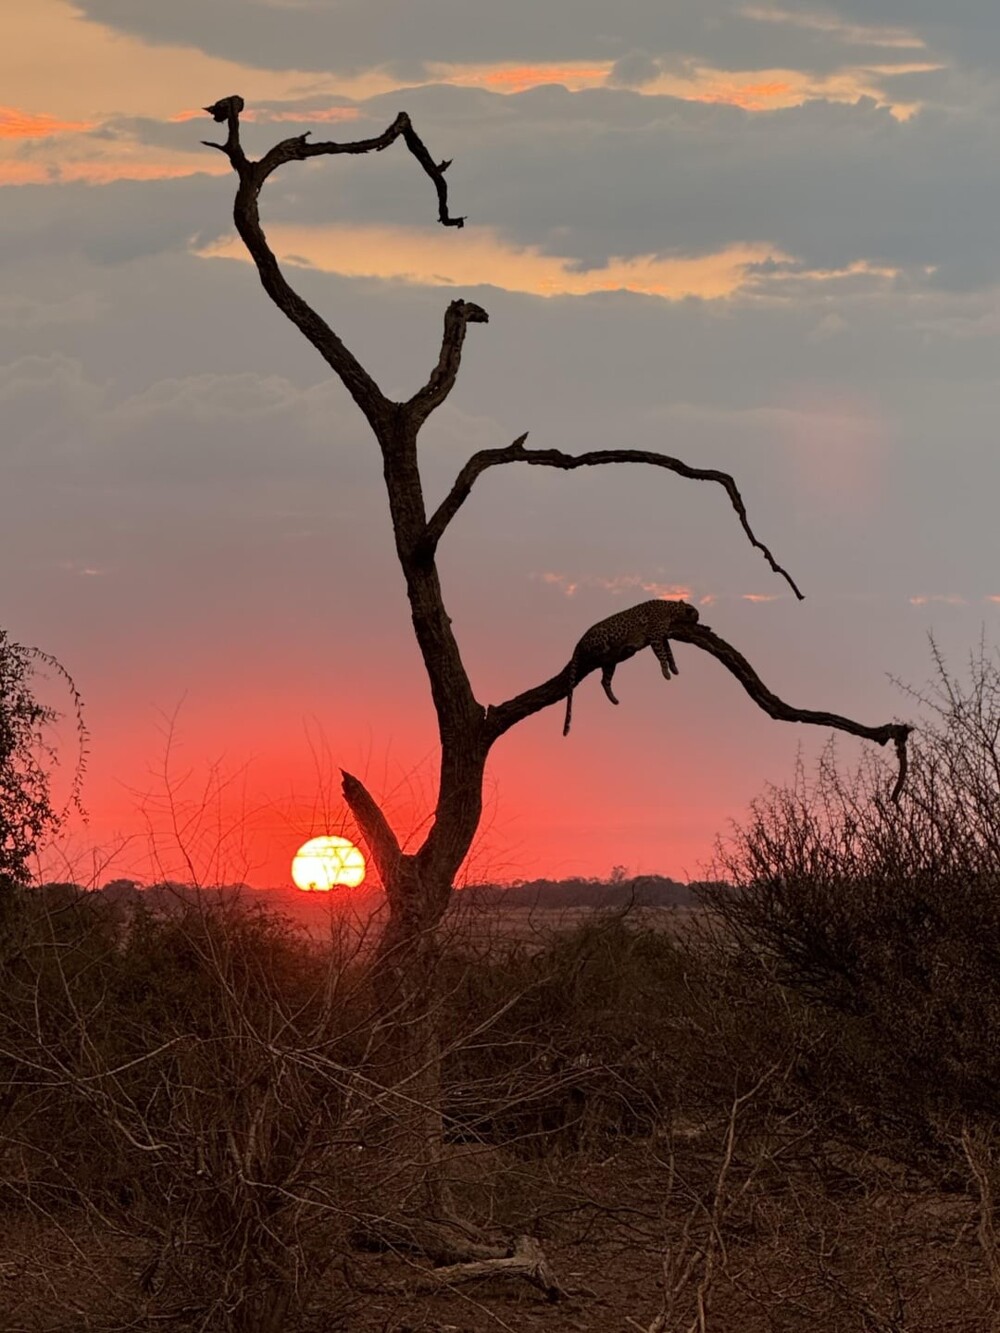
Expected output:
(567, 1040)
(188, 1080)
(880, 928)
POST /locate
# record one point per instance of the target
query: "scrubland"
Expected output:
(777, 1111)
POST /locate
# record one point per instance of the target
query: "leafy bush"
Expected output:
(27, 814)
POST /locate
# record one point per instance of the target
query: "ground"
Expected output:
(860, 1247)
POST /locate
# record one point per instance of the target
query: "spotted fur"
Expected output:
(621, 636)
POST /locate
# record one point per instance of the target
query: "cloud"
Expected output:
(25, 312)
(16, 124)
(115, 224)
(361, 34)
(633, 70)
(619, 583)
(480, 257)
(832, 26)
(689, 168)
(948, 599)
(609, 174)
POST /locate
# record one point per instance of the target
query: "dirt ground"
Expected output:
(855, 1247)
(870, 1252)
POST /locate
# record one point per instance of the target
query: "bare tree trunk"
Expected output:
(410, 1132)
(406, 972)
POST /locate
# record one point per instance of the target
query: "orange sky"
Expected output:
(207, 492)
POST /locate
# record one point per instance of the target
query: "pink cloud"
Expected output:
(618, 584)
(521, 77)
(16, 124)
(950, 599)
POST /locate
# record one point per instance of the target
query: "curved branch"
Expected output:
(382, 842)
(897, 732)
(502, 717)
(227, 110)
(516, 453)
(458, 316)
(252, 175)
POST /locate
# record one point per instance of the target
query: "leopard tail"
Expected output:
(569, 696)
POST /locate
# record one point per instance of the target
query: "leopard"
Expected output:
(624, 634)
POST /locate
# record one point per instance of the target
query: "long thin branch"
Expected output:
(252, 175)
(500, 718)
(516, 453)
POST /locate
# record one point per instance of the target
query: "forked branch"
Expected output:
(252, 175)
(500, 718)
(517, 453)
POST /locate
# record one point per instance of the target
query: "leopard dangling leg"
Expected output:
(607, 676)
(665, 657)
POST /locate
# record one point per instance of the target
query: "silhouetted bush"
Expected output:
(882, 927)
(575, 1035)
(185, 1076)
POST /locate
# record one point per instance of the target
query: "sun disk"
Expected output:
(326, 862)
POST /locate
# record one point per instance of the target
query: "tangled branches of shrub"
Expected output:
(885, 922)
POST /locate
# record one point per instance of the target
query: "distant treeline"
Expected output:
(642, 891)
(618, 892)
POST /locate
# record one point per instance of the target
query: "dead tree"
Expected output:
(419, 884)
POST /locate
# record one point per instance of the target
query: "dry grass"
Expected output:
(636, 1099)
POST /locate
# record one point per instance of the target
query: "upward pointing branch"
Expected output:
(459, 315)
(383, 846)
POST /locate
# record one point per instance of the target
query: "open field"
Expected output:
(846, 1246)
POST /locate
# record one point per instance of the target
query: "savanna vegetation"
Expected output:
(774, 1111)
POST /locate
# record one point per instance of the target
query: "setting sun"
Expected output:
(323, 863)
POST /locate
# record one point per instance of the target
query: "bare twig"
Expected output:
(978, 1159)
(458, 316)
(527, 1262)
(296, 149)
